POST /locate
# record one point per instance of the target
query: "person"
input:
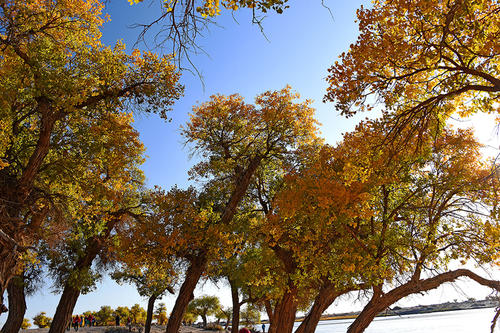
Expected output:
(263, 328)
(244, 330)
(76, 323)
(117, 320)
(129, 324)
(82, 322)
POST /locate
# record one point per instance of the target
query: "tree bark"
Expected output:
(326, 296)
(64, 309)
(193, 275)
(242, 184)
(270, 315)
(149, 316)
(284, 313)
(381, 301)
(17, 305)
(235, 320)
(71, 293)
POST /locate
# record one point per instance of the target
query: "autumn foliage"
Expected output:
(399, 206)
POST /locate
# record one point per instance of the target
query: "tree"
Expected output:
(224, 313)
(138, 314)
(443, 213)
(19, 286)
(161, 314)
(204, 306)
(152, 281)
(41, 320)
(58, 76)
(403, 215)
(234, 139)
(425, 61)
(123, 312)
(26, 324)
(367, 197)
(250, 316)
(110, 201)
(104, 316)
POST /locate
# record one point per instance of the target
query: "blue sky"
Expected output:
(301, 44)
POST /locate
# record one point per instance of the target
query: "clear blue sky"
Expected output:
(302, 43)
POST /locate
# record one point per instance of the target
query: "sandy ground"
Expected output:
(112, 329)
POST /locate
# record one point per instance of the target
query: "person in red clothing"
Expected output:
(244, 330)
(76, 322)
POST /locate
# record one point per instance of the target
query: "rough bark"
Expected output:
(149, 316)
(284, 313)
(71, 293)
(326, 296)
(381, 301)
(235, 320)
(17, 305)
(270, 315)
(64, 309)
(12, 242)
(193, 275)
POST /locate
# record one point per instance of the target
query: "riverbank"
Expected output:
(420, 309)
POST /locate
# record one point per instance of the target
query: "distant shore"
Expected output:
(419, 309)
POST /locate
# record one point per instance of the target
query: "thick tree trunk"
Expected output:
(17, 305)
(149, 317)
(326, 296)
(381, 301)
(70, 293)
(64, 309)
(235, 320)
(193, 275)
(204, 319)
(284, 313)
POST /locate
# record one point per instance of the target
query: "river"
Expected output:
(462, 321)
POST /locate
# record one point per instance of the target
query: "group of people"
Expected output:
(81, 321)
(129, 322)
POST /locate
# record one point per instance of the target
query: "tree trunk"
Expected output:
(242, 184)
(70, 293)
(149, 317)
(270, 315)
(381, 301)
(193, 275)
(17, 305)
(235, 320)
(326, 296)
(64, 309)
(204, 319)
(284, 313)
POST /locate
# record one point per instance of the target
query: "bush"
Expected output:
(41, 320)
(26, 324)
